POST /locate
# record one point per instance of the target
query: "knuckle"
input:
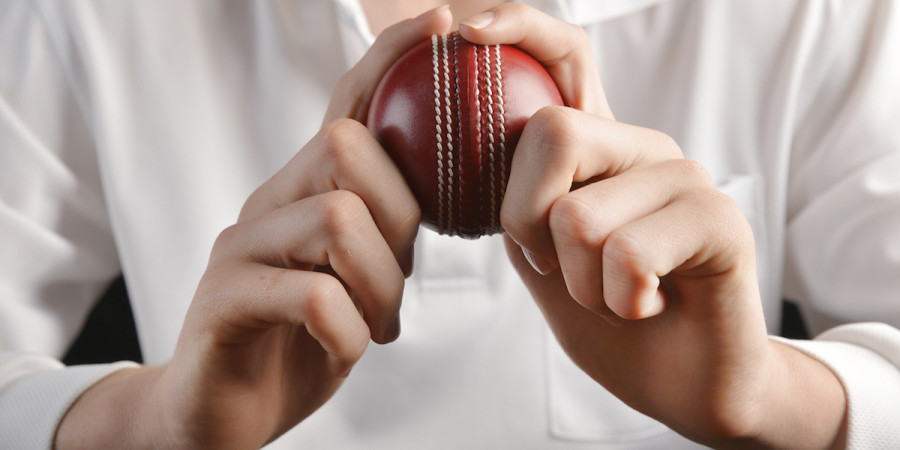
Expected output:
(342, 212)
(574, 218)
(690, 174)
(719, 201)
(229, 238)
(664, 143)
(321, 297)
(340, 139)
(578, 35)
(248, 210)
(735, 225)
(552, 134)
(693, 170)
(214, 290)
(554, 126)
(727, 224)
(718, 205)
(625, 251)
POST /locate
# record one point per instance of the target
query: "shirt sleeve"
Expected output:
(58, 252)
(36, 392)
(866, 358)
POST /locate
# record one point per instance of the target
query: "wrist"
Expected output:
(121, 408)
(804, 406)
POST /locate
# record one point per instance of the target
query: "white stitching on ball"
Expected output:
(502, 114)
(491, 132)
(449, 154)
(438, 131)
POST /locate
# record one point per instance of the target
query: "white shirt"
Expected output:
(132, 132)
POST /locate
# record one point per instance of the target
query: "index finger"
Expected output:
(561, 148)
(344, 156)
(562, 48)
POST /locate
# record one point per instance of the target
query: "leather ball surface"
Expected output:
(450, 113)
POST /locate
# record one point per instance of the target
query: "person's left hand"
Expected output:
(644, 270)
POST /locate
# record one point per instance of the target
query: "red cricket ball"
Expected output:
(450, 113)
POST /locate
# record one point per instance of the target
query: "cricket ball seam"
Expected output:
(497, 143)
(465, 89)
(438, 131)
(449, 153)
(478, 128)
(502, 113)
(490, 129)
(492, 166)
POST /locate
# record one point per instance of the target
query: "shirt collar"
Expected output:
(575, 11)
(357, 36)
(582, 12)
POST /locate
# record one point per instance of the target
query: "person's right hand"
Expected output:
(313, 268)
(643, 269)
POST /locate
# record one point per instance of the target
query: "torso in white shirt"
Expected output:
(193, 105)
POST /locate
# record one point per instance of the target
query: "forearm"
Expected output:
(121, 408)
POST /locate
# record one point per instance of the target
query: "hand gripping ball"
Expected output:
(450, 113)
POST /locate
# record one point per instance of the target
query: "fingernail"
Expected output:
(431, 12)
(479, 21)
(540, 265)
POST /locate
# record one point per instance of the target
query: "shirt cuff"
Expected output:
(36, 393)
(866, 359)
